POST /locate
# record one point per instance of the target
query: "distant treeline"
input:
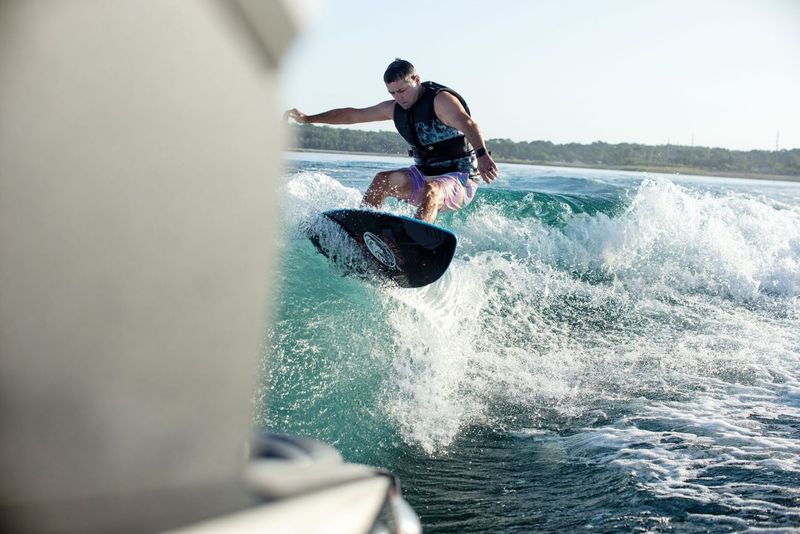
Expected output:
(667, 158)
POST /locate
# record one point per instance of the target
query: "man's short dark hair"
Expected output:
(399, 69)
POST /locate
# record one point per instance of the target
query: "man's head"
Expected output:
(403, 82)
(398, 70)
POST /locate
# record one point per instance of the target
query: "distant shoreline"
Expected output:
(636, 168)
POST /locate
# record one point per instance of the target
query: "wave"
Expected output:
(664, 239)
(569, 307)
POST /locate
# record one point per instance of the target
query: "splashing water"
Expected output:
(637, 325)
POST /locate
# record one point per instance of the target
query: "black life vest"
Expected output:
(436, 147)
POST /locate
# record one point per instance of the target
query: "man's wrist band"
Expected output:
(482, 152)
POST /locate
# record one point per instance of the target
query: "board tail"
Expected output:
(333, 242)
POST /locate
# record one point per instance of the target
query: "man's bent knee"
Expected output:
(382, 183)
(432, 193)
(398, 179)
(388, 184)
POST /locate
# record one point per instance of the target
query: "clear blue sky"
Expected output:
(722, 73)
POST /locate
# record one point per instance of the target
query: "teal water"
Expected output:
(608, 351)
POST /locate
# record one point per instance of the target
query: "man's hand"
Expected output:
(487, 168)
(296, 115)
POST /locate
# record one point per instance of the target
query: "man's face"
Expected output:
(405, 92)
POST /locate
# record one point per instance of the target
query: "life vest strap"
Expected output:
(454, 148)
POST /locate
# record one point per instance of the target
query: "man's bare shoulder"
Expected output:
(449, 109)
(387, 108)
(446, 98)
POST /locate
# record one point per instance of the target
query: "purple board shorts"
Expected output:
(458, 189)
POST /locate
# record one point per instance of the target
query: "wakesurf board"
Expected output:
(383, 247)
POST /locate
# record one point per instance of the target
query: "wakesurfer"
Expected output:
(436, 123)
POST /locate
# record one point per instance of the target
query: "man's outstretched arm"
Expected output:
(379, 112)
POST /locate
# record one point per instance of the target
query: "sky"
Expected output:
(719, 73)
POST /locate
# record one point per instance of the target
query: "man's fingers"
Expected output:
(489, 174)
(294, 114)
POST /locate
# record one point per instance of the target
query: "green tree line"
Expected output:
(666, 158)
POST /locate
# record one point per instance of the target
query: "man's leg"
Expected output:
(395, 184)
(432, 202)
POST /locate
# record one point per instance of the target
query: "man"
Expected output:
(436, 122)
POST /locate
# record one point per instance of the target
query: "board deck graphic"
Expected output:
(380, 245)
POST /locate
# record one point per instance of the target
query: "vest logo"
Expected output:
(380, 250)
